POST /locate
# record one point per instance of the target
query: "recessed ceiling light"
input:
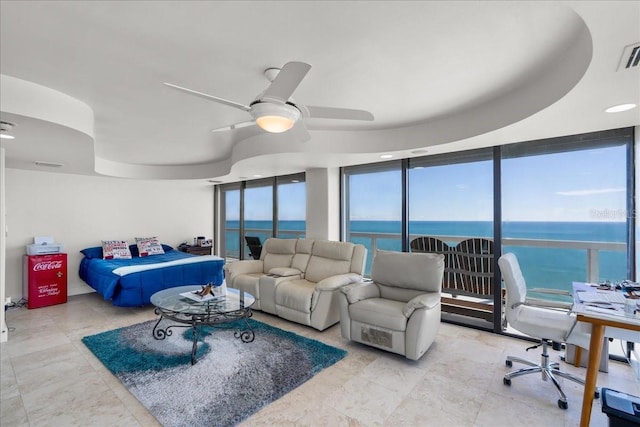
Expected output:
(620, 108)
(419, 151)
(257, 175)
(5, 136)
(386, 156)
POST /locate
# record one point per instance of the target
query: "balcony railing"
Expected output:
(593, 249)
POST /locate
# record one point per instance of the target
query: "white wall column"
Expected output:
(323, 203)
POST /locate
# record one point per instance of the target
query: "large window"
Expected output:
(451, 202)
(262, 209)
(258, 211)
(564, 210)
(230, 221)
(292, 206)
(564, 206)
(374, 207)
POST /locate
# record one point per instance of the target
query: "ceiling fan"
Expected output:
(273, 110)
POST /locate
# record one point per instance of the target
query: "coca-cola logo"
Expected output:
(47, 265)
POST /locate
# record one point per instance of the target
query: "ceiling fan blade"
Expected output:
(210, 97)
(286, 81)
(300, 133)
(235, 126)
(338, 113)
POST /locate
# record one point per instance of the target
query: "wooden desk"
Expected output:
(616, 326)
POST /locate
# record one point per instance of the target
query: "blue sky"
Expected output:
(259, 203)
(587, 185)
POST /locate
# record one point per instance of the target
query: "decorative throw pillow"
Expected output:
(115, 249)
(149, 246)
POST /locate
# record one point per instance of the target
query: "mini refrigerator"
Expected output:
(45, 279)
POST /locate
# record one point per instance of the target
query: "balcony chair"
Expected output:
(543, 322)
(429, 244)
(468, 271)
(474, 267)
(399, 310)
(255, 247)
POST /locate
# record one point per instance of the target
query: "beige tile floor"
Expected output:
(49, 378)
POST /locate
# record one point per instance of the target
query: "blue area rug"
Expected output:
(230, 381)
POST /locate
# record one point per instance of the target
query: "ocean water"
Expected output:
(542, 267)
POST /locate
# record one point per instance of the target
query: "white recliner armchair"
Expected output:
(399, 310)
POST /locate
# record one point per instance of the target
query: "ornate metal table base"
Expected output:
(197, 320)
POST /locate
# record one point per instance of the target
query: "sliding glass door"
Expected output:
(451, 211)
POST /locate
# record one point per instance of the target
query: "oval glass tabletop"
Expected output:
(182, 299)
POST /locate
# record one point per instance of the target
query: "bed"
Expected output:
(131, 282)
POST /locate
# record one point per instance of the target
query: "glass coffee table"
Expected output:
(192, 312)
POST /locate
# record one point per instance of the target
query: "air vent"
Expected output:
(48, 164)
(630, 57)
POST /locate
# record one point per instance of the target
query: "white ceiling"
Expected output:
(83, 80)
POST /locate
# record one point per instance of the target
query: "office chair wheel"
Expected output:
(509, 363)
(562, 405)
(596, 394)
(506, 381)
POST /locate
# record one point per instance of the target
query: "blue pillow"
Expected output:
(95, 252)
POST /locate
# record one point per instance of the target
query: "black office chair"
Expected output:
(255, 247)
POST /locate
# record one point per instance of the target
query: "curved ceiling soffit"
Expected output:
(31, 100)
(555, 75)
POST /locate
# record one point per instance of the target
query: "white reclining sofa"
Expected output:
(299, 279)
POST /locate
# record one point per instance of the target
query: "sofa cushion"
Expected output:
(278, 253)
(295, 294)
(379, 312)
(248, 283)
(421, 271)
(303, 253)
(329, 258)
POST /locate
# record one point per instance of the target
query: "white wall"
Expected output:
(80, 211)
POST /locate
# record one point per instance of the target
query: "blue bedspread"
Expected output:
(135, 289)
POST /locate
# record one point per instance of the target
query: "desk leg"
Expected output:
(593, 364)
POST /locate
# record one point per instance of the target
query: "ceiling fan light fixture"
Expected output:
(275, 118)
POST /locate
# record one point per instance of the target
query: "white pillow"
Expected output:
(149, 246)
(115, 249)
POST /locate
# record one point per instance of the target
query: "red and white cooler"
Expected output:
(45, 279)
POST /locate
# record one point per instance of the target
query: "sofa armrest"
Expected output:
(339, 280)
(244, 267)
(360, 291)
(427, 301)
